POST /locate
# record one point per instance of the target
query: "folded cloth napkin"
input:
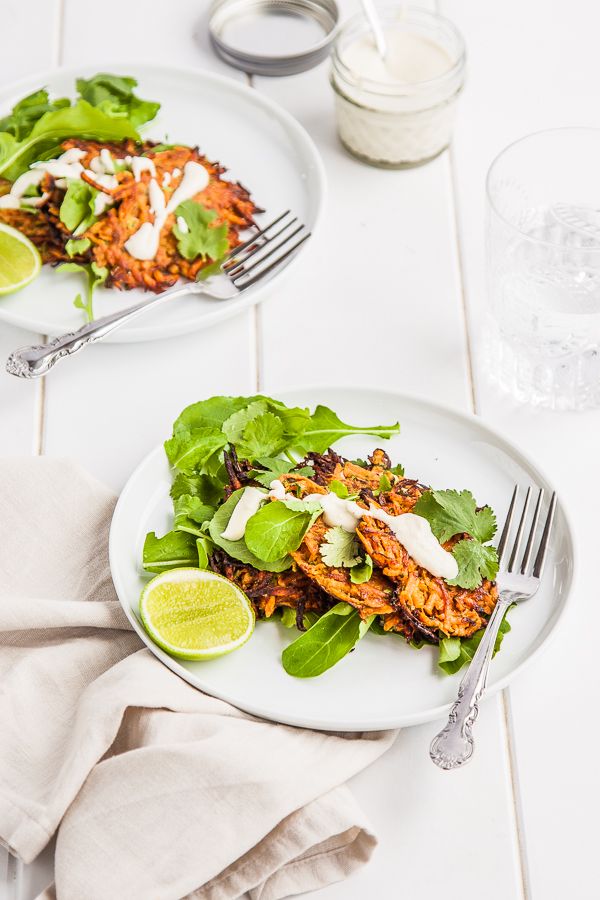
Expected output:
(155, 790)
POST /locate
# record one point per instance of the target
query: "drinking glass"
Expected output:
(542, 328)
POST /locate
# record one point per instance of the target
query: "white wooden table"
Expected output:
(519, 821)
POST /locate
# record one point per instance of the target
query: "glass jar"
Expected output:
(397, 125)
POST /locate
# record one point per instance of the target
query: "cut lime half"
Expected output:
(195, 614)
(20, 261)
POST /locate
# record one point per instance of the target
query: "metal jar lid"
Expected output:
(273, 37)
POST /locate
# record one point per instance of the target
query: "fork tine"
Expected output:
(272, 265)
(232, 267)
(507, 524)
(262, 259)
(532, 531)
(258, 234)
(538, 565)
(519, 534)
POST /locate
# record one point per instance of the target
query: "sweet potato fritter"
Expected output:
(269, 591)
(231, 202)
(428, 603)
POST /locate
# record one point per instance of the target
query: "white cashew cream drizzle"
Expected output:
(412, 531)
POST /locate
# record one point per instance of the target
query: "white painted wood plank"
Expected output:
(20, 401)
(382, 277)
(535, 66)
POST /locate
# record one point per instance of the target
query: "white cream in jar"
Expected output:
(397, 111)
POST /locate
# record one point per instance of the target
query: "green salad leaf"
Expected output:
(331, 638)
(75, 247)
(27, 111)
(95, 276)
(454, 653)
(81, 120)
(325, 428)
(362, 572)
(190, 513)
(275, 530)
(205, 547)
(113, 94)
(77, 208)
(171, 551)
(201, 238)
(207, 488)
(190, 449)
(340, 548)
(239, 549)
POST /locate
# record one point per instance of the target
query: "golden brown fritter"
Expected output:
(429, 603)
(374, 597)
(269, 591)
(231, 202)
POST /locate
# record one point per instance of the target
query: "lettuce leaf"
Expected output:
(81, 120)
(113, 94)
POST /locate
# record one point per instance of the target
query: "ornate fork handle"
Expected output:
(36, 360)
(454, 745)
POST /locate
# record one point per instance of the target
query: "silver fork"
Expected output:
(246, 265)
(454, 745)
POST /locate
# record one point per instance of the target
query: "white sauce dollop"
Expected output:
(248, 504)
(143, 244)
(141, 164)
(413, 532)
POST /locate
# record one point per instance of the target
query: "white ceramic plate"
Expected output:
(261, 145)
(384, 683)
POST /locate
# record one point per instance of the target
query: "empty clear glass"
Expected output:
(542, 329)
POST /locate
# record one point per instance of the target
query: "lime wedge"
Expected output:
(196, 614)
(20, 261)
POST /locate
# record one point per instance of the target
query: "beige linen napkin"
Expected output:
(158, 791)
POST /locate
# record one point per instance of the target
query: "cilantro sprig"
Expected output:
(455, 512)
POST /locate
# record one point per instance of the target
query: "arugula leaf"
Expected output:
(239, 549)
(362, 572)
(275, 530)
(202, 238)
(288, 617)
(475, 561)
(340, 548)
(210, 413)
(333, 636)
(339, 489)
(77, 205)
(174, 549)
(454, 653)
(451, 512)
(77, 247)
(190, 449)
(113, 94)
(325, 428)
(95, 275)
(82, 120)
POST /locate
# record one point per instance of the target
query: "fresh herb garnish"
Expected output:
(340, 548)
(450, 513)
(75, 247)
(333, 636)
(202, 238)
(272, 468)
(77, 208)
